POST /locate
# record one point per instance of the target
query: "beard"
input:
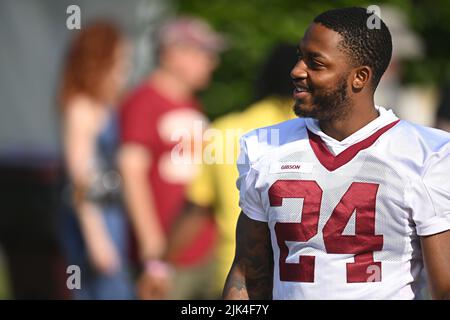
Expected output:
(328, 105)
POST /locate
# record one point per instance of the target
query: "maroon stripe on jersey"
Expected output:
(331, 162)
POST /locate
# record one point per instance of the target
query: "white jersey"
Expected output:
(345, 216)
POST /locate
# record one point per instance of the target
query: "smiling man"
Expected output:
(349, 202)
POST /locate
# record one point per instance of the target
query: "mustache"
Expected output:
(327, 104)
(299, 84)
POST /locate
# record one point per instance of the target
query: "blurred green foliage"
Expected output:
(431, 20)
(253, 26)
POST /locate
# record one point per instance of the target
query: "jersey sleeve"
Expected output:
(249, 196)
(137, 121)
(430, 196)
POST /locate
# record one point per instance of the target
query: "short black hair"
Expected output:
(365, 46)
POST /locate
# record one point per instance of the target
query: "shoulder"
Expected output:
(259, 142)
(430, 136)
(140, 96)
(418, 136)
(423, 144)
(81, 112)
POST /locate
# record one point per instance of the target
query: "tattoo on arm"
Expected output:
(251, 275)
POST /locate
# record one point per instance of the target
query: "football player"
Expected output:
(347, 201)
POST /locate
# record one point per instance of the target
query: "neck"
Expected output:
(170, 85)
(356, 119)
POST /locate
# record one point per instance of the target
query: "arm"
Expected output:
(436, 253)
(251, 274)
(197, 210)
(134, 163)
(187, 225)
(80, 129)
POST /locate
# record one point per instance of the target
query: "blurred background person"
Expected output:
(415, 102)
(31, 150)
(157, 117)
(214, 190)
(94, 228)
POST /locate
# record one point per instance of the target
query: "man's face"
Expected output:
(321, 76)
(191, 64)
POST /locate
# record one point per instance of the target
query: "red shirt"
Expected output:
(150, 119)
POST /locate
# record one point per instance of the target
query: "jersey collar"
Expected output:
(360, 140)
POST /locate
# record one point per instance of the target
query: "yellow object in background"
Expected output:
(215, 186)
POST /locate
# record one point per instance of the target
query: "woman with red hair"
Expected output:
(94, 232)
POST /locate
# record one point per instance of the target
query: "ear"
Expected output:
(361, 77)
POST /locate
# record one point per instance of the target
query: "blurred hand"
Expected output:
(155, 283)
(154, 246)
(101, 250)
(103, 255)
